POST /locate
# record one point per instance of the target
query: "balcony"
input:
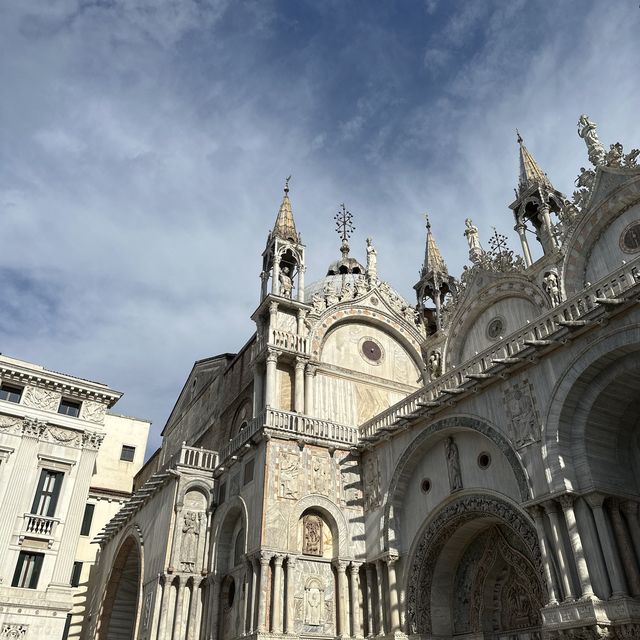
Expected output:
(284, 340)
(39, 528)
(194, 458)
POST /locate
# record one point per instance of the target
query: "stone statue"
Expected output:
(453, 464)
(552, 287)
(190, 536)
(587, 131)
(372, 261)
(435, 364)
(318, 301)
(330, 295)
(471, 234)
(615, 155)
(286, 284)
(585, 178)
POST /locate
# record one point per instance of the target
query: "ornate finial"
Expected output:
(426, 217)
(498, 243)
(520, 140)
(286, 184)
(344, 227)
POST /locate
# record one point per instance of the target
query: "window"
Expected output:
(69, 408)
(27, 570)
(10, 393)
(128, 453)
(76, 573)
(87, 519)
(248, 471)
(47, 493)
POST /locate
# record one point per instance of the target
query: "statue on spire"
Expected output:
(471, 234)
(587, 131)
(372, 262)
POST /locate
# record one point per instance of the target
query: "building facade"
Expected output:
(57, 442)
(463, 467)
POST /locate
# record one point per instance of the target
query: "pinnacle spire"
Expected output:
(530, 171)
(433, 260)
(285, 227)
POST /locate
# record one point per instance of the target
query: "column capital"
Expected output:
(273, 354)
(265, 558)
(536, 511)
(596, 500)
(301, 363)
(291, 561)
(354, 567)
(311, 368)
(551, 506)
(273, 307)
(340, 565)
(392, 558)
(278, 559)
(566, 500)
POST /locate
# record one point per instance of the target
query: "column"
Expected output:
(276, 598)
(272, 361)
(356, 619)
(566, 501)
(301, 270)
(299, 385)
(563, 566)
(630, 510)
(526, 252)
(265, 558)
(73, 518)
(289, 605)
(248, 595)
(275, 278)
(341, 599)
(545, 217)
(15, 501)
(258, 385)
(177, 620)
(214, 603)
(537, 513)
(394, 603)
(625, 547)
(379, 574)
(254, 594)
(164, 608)
(194, 622)
(618, 589)
(370, 605)
(309, 374)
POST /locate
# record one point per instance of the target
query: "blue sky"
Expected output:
(144, 145)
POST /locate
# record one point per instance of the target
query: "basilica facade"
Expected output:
(463, 467)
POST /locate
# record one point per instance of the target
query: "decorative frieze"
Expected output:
(93, 411)
(11, 631)
(40, 398)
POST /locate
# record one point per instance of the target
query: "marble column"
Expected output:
(537, 513)
(625, 546)
(254, 594)
(309, 374)
(164, 609)
(301, 270)
(630, 510)
(379, 573)
(289, 605)
(548, 240)
(214, 602)
(341, 599)
(265, 558)
(177, 620)
(611, 561)
(272, 372)
(563, 564)
(394, 601)
(194, 621)
(156, 611)
(258, 386)
(248, 594)
(276, 596)
(566, 502)
(526, 252)
(370, 604)
(299, 385)
(356, 618)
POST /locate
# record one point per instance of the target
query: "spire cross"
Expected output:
(520, 140)
(426, 217)
(344, 226)
(498, 242)
(286, 184)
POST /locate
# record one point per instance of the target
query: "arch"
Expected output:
(122, 601)
(409, 459)
(592, 225)
(595, 367)
(334, 517)
(456, 524)
(196, 485)
(228, 520)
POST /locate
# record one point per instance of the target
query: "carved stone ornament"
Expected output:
(371, 482)
(433, 539)
(552, 287)
(92, 440)
(33, 428)
(288, 471)
(40, 398)
(453, 464)
(190, 538)
(319, 478)
(314, 607)
(13, 631)
(312, 535)
(93, 411)
(9, 423)
(67, 437)
(521, 411)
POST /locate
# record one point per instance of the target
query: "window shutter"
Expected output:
(56, 493)
(87, 519)
(36, 499)
(37, 566)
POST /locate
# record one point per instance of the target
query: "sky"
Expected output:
(144, 146)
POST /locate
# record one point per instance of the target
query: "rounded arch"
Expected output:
(122, 600)
(230, 518)
(613, 357)
(197, 486)
(442, 542)
(333, 516)
(410, 458)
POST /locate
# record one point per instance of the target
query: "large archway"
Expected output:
(121, 603)
(476, 569)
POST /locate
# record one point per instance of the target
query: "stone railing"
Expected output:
(41, 526)
(506, 350)
(289, 341)
(197, 458)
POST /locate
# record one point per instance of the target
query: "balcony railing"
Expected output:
(197, 458)
(42, 527)
(282, 340)
(609, 288)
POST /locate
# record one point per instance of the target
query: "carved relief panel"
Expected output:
(192, 524)
(320, 475)
(312, 535)
(314, 607)
(288, 472)
(524, 424)
(371, 482)
(93, 411)
(39, 398)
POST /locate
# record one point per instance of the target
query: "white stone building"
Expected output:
(464, 468)
(59, 452)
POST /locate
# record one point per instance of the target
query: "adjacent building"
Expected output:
(66, 467)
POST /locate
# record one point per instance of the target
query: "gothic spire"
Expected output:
(433, 260)
(285, 227)
(530, 171)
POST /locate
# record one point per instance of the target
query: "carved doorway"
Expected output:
(476, 573)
